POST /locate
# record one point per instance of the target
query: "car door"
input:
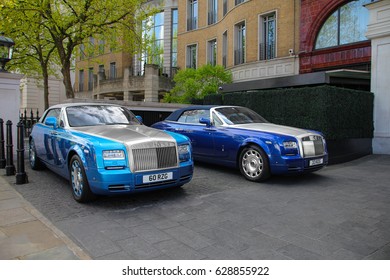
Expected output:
(49, 152)
(201, 136)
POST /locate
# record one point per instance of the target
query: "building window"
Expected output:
(101, 46)
(192, 15)
(212, 52)
(153, 29)
(238, 1)
(346, 25)
(239, 50)
(91, 48)
(267, 46)
(102, 72)
(175, 23)
(90, 79)
(224, 49)
(112, 70)
(81, 80)
(82, 52)
(213, 12)
(225, 7)
(191, 56)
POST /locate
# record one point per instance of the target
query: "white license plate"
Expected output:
(316, 161)
(157, 177)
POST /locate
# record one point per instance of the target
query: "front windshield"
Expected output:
(239, 115)
(90, 115)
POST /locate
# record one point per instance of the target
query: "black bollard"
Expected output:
(9, 168)
(2, 150)
(21, 176)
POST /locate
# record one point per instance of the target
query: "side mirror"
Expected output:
(139, 118)
(51, 121)
(205, 121)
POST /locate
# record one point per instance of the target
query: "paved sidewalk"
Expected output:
(27, 235)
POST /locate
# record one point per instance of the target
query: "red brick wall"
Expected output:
(313, 14)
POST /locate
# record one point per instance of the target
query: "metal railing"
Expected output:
(266, 51)
(27, 117)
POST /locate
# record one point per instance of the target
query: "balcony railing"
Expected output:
(239, 56)
(266, 51)
(192, 23)
(212, 17)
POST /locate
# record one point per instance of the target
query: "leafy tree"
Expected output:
(193, 84)
(69, 23)
(35, 60)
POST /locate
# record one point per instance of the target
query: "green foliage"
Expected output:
(66, 24)
(192, 84)
(339, 113)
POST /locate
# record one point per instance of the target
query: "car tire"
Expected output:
(254, 164)
(78, 181)
(35, 162)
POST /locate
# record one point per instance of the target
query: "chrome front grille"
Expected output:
(154, 155)
(313, 145)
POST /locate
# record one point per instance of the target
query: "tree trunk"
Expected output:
(67, 80)
(46, 88)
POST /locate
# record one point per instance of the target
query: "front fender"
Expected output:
(267, 147)
(81, 152)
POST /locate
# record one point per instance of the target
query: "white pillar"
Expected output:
(379, 33)
(10, 100)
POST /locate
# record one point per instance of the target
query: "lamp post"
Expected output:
(6, 50)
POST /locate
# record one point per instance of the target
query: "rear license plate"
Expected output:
(316, 161)
(157, 177)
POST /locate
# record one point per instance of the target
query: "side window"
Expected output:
(216, 120)
(193, 116)
(53, 113)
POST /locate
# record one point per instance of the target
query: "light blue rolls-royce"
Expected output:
(103, 149)
(238, 137)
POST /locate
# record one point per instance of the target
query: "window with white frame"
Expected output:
(267, 44)
(112, 70)
(192, 15)
(192, 56)
(90, 79)
(240, 41)
(224, 49)
(213, 11)
(212, 52)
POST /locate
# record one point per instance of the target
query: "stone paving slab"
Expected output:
(27, 234)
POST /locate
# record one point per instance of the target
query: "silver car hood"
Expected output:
(273, 128)
(128, 134)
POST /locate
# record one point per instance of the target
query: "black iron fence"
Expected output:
(28, 116)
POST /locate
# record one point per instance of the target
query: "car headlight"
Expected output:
(184, 152)
(290, 145)
(113, 155)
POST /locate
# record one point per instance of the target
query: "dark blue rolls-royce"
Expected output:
(238, 137)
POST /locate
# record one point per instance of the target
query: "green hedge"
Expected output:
(339, 113)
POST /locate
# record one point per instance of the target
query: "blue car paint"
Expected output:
(56, 146)
(228, 142)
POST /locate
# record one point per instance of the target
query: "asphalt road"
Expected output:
(340, 212)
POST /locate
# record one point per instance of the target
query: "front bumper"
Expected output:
(109, 182)
(296, 164)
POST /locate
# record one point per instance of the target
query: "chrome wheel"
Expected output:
(78, 181)
(253, 164)
(77, 178)
(35, 163)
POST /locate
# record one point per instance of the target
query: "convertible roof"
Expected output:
(176, 114)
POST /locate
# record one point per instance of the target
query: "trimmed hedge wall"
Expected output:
(339, 113)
